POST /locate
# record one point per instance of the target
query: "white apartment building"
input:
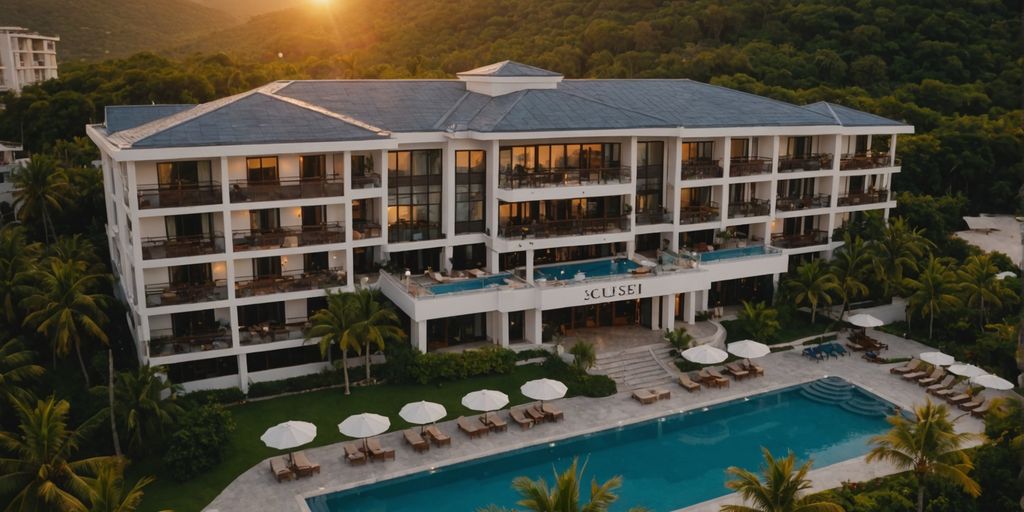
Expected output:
(501, 206)
(26, 58)
(8, 162)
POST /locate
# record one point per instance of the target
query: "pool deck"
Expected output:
(256, 489)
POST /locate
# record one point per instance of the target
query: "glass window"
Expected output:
(703, 150)
(261, 168)
(313, 166)
(193, 172)
(470, 196)
(414, 195)
(739, 148)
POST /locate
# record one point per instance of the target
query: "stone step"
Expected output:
(651, 372)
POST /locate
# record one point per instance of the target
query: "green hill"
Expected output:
(245, 9)
(95, 29)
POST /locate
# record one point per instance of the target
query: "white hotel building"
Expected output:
(26, 58)
(500, 206)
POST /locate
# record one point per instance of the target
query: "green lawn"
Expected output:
(326, 409)
(797, 327)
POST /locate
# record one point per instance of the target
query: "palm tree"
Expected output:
(678, 338)
(65, 308)
(39, 473)
(760, 321)
(850, 266)
(928, 446)
(16, 368)
(811, 285)
(370, 322)
(565, 496)
(107, 491)
(328, 326)
(781, 490)
(16, 259)
(934, 291)
(981, 287)
(896, 252)
(40, 188)
(146, 404)
(78, 249)
(584, 355)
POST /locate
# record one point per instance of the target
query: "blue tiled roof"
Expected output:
(509, 68)
(126, 117)
(847, 116)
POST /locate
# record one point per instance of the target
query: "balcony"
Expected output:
(405, 231)
(698, 213)
(363, 229)
(853, 162)
(749, 166)
(165, 343)
(293, 236)
(793, 203)
(563, 177)
(243, 191)
(812, 162)
(157, 247)
(569, 227)
(752, 208)
(653, 216)
(290, 281)
(269, 332)
(856, 198)
(797, 240)
(702, 169)
(180, 194)
(170, 294)
(366, 181)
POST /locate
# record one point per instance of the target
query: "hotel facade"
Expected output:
(500, 207)
(26, 58)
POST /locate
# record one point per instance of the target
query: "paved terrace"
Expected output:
(257, 490)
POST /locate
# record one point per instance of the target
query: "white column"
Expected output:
(533, 330)
(529, 265)
(702, 298)
(690, 307)
(448, 191)
(668, 312)
(381, 168)
(630, 158)
(229, 256)
(501, 317)
(727, 157)
(773, 185)
(892, 151)
(673, 175)
(243, 373)
(418, 335)
(655, 307)
(491, 182)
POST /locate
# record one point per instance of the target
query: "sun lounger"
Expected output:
(302, 466)
(935, 377)
(439, 438)
(913, 376)
(974, 403)
(982, 411)
(953, 390)
(959, 399)
(852, 346)
(536, 414)
(279, 468)
(520, 418)
(645, 396)
(813, 353)
(494, 422)
(872, 357)
(826, 348)
(551, 413)
(946, 383)
(687, 384)
(377, 452)
(662, 394)
(353, 455)
(472, 429)
(706, 378)
(754, 369)
(736, 371)
(415, 440)
(714, 373)
(838, 349)
(911, 366)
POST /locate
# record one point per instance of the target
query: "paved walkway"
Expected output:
(256, 489)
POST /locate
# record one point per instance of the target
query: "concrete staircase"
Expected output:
(639, 367)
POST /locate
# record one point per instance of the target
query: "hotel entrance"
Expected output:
(610, 314)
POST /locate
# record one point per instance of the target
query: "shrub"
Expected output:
(328, 377)
(584, 355)
(578, 381)
(215, 396)
(532, 353)
(759, 321)
(441, 366)
(399, 357)
(201, 443)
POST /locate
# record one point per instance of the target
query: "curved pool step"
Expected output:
(866, 407)
(837, 391)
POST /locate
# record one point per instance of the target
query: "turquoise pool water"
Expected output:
(597, 268)
(469, 284)
(737, 252)
(666, 464)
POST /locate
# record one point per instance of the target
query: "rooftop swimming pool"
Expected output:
(469, 284)
(666, 464)
(599, 268)
(738, 252)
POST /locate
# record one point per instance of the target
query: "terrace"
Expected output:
(179, 194)
(413, 231)
(653, 216)
(752, 208)
(749, 166)
(793, 203)
(170, 294)
(798, 240)
(269, 332)
(290, 281)
(852, 162)
(858, 198)
(368, 180)
(286, 188)
(165, 343)
(812, 162)
(157, 247)
(510, 179)
(292, 236)
(567, 227)
(698, 213)
(362, 229)
(702, 168)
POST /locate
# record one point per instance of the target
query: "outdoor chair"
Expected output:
(645, 396)
(838, 349)
(961, 398)
(494, 422)
(736, 371)
(415, 440)
(302, 466)
(754, 369)
(933, 377)
(913, 376)
(687, 384)
(714, 373)
(377, 452)
(955, 389)
(520, 418)
(975, 403)
(982, 411)
(472, 430)
(536, 414)
(353, 455)
(911, 366)
(280, 470)
(439, 438)
(873, 357)
(947, 382)
(551, 413)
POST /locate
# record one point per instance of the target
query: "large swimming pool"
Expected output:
(469, 284)
(737, 252)
(666, 464)
(598, 268)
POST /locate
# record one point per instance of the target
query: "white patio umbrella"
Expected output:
(992, 382)
(422, 412)
(966, 370)
(705, 354)
(364, 425)
(865, 320)
(485, 400)
(543, 389)
(748, 349)
(937, 358)
(288, 435)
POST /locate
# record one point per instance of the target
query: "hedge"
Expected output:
(435, 367)
(579, 381)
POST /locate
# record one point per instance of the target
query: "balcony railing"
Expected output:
(698, 213)
(653, 216)
(812, 162)
(796, 240)
(510, 179)
(290, 281)
(403, 231)
(752, 208)
(168, 294)
(851, 162)
(366, 181)
(179, 194)
(363, 229)
(165, 343)
(701, 168)
(569, 227)
(269, 332)
(157, 247)
(749, 166)
(792, 203)
(855, 198)
(287, 188)
(292, 236)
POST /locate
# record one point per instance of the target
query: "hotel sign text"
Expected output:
(611, 292)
